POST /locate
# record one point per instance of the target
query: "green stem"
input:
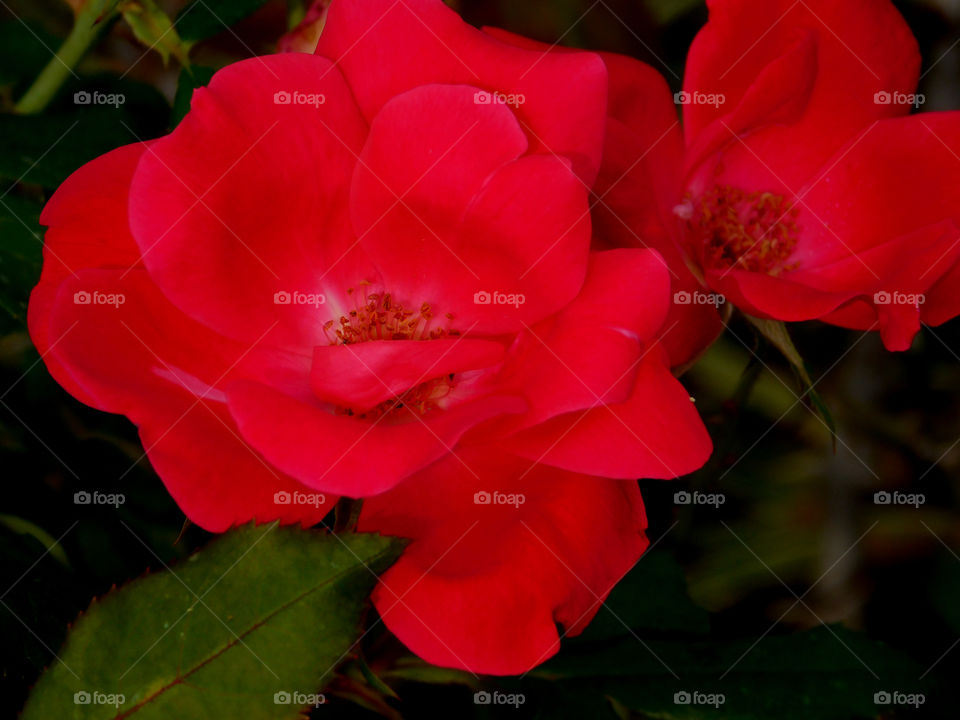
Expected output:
(347, 514)
(86, 28)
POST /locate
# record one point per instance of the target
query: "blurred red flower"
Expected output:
(809, 190)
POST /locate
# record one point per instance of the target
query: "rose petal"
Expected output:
(656, 433)
(386, 48)
(247, 200)
(346, 455)
(482, 587)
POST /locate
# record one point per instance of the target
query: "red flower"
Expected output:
(368, 272)
(810, 191)
(637, 186)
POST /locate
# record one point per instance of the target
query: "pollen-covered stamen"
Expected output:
(755, 231)
(380, 317)
(377, 316)
(419, 400)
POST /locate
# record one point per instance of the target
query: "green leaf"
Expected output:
(46, 149)
(375, 682)
(20, 258)
(825, 673)
(413, 669)
(190, 79)
(24, 50)
(260, 611)
(25, 527)
(152, 27)
(651, 598)
(359, 685)
(202, 19)
(40, 596)
(776, 333)
(778, 336)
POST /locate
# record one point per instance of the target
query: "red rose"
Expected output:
(810, 192)
(368, 272)
(636, 190)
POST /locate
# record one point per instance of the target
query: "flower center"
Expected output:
(380, 317)
(419, 400)
(377, 316)
(754, 231)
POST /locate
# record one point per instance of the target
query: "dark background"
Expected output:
(799, 517)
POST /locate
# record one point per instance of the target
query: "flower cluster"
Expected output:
(449, 271)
